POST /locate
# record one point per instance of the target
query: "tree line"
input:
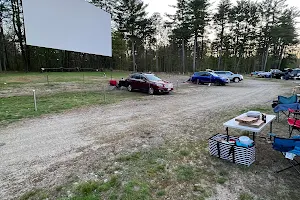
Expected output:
(242, 37)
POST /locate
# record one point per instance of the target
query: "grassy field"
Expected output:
(56, 91)
(24, 78)
(18, 107)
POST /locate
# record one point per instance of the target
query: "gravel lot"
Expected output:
(44, 151)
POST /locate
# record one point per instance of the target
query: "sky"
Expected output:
(162, 6)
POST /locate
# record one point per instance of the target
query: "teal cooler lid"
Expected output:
(238, 143)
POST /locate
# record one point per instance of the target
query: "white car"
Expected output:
(231, 76)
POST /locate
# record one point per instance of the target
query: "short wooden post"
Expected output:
(47, 79)
(34, 99)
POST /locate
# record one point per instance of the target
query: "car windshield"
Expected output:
(151, 77)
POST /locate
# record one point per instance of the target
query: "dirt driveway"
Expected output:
(43, 152)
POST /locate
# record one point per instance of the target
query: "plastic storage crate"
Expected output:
(236, 154)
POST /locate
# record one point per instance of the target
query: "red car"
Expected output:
(148, 83)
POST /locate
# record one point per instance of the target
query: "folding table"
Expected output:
(235, 125)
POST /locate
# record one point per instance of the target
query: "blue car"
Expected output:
(208, 77)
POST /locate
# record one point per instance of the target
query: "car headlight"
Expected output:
(242, 77)
(159, 84)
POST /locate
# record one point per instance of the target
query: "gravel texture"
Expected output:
(42, 152)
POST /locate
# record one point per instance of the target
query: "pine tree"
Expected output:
(3, 14)
(181, 31)
(198, 20)
(284, 33)
(119, 48)
(244, 19)
(131, 19)
(221, 20)
(270, 11)
(107, 5)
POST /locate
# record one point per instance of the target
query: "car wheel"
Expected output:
(236, 80)
(218, 83)
(151, 91)
(129, 88)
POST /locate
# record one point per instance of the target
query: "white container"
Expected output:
(245, 140)
(255, 114)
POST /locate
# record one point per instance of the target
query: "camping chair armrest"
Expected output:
(271, 136)
(274, 103)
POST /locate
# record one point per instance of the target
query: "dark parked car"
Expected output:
(276, 73)
(148, 83)
(295, 74)
(208, 77)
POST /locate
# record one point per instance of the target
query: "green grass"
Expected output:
(136, 190)
(37, 194)
(145, 175)
(92, 190)
(18, 107)
(13, 78)
(185, 173)
(262, 109)
(91, 187)
(131, 157)
(221, 180)
(161, 193)
(163, 173)
(245, 196)
(113, 189)
(88, 187)
(184, 152)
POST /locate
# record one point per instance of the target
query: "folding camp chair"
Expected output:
(283, 104)
(290, 148)
(293, 112)
(294, 124)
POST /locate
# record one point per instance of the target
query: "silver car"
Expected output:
(231, 76)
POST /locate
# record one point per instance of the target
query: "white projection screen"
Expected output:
(73, 25)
